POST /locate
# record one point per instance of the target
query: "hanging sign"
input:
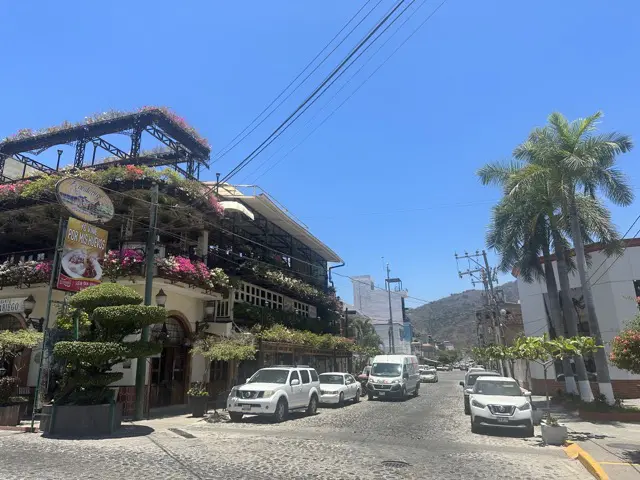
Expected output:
(85, 200)
(83, 250)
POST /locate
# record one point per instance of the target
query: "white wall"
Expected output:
(613, 294)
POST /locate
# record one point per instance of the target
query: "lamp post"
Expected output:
(388, 282)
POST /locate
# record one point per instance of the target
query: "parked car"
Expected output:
(441, 368)
(274, 392)
(429, 375)
(468, 383)
(500, 402)
(336, 387)
(394, 376)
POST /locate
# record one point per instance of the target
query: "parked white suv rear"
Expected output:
(274, 392)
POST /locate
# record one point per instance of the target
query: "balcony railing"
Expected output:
(266, 317)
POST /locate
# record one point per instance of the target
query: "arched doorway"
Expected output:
(19, 366)
(169, 370)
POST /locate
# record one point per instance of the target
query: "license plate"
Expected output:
(246, 408)
(503, 420)
(382, 394)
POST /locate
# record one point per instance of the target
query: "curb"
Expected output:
(17, 429)
(575, 451)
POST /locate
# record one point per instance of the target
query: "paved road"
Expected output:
(429, 433)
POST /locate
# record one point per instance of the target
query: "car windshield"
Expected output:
(493, 387)
(471, 381)
(386, 369)
(269, 376)
(331, 379)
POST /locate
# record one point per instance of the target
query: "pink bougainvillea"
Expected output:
(625, 350)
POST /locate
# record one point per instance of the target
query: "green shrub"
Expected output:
(113, 313)
(105, 295)
(8, 386)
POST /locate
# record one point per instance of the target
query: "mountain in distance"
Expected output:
(453, 318)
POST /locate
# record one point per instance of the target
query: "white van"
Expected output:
(394, 376)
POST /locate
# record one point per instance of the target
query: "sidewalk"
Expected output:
(614, 445)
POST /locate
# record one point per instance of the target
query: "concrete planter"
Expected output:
(198, 405)
(554, 435)
(10, 416)
(81, 420)
(609, 416)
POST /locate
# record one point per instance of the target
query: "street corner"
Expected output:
(576, 452)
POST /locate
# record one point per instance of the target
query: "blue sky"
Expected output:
(392, 172)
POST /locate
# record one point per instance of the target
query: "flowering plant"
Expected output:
(24, 273)
(125, 263)
(625, 350)
(194, 273)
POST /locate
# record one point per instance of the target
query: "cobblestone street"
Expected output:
(430, 433)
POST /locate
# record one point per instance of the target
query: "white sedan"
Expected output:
(429, 375)
(336, 388)
(500, 402)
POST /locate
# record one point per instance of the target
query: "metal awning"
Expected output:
(269, 209)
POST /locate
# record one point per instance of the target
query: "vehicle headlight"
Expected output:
(526, 406)
(268, 393)
(371, 380)
(395, 381)
(477, 404)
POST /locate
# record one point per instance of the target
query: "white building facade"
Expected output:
(374, 303)
(615, 286)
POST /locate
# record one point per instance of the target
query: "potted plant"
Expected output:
(552, 432)
(12, 345)
(198, 398)
(85, 403)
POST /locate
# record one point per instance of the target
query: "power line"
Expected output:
(315, 94)
(225, 150)
(340, 89)
(613, 263)
(356, 90)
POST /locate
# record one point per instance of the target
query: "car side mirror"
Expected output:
(406, 375)
(247, 380)
(295, 382)
(462, 384)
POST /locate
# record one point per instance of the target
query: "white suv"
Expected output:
(274, 392)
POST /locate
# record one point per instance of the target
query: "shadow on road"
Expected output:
(126, 431)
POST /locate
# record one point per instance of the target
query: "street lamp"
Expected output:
(29, 304)
(161, 298)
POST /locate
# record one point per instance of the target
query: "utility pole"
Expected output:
(487, 276)
(391, 339)
(141, 363)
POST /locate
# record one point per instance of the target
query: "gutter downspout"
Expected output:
(329, 270)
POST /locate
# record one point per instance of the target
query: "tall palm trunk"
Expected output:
(602, 367)
(556, 316)
(570, 318)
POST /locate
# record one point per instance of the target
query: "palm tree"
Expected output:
(520, 232)
(574, 158)
(525, 223)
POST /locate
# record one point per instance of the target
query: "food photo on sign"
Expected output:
(82, 254)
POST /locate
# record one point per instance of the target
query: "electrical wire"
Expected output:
(342, 87)
(356, 90)
(314, 95)
(612, 263)
(225, 150)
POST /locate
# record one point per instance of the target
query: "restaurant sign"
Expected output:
(85, 200)
(12, 305)
(83, 250)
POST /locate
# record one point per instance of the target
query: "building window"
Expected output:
(300, 308)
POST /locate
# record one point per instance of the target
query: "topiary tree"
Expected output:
(114, 313)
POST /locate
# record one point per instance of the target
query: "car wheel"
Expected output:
(313, 405)
(235, 417)
(416, 392)
(370, 396)
(341, 400)
(467, 408)
(475, 428)
(356, 399)
(403, 395)
(529, 432)
(282, 409)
